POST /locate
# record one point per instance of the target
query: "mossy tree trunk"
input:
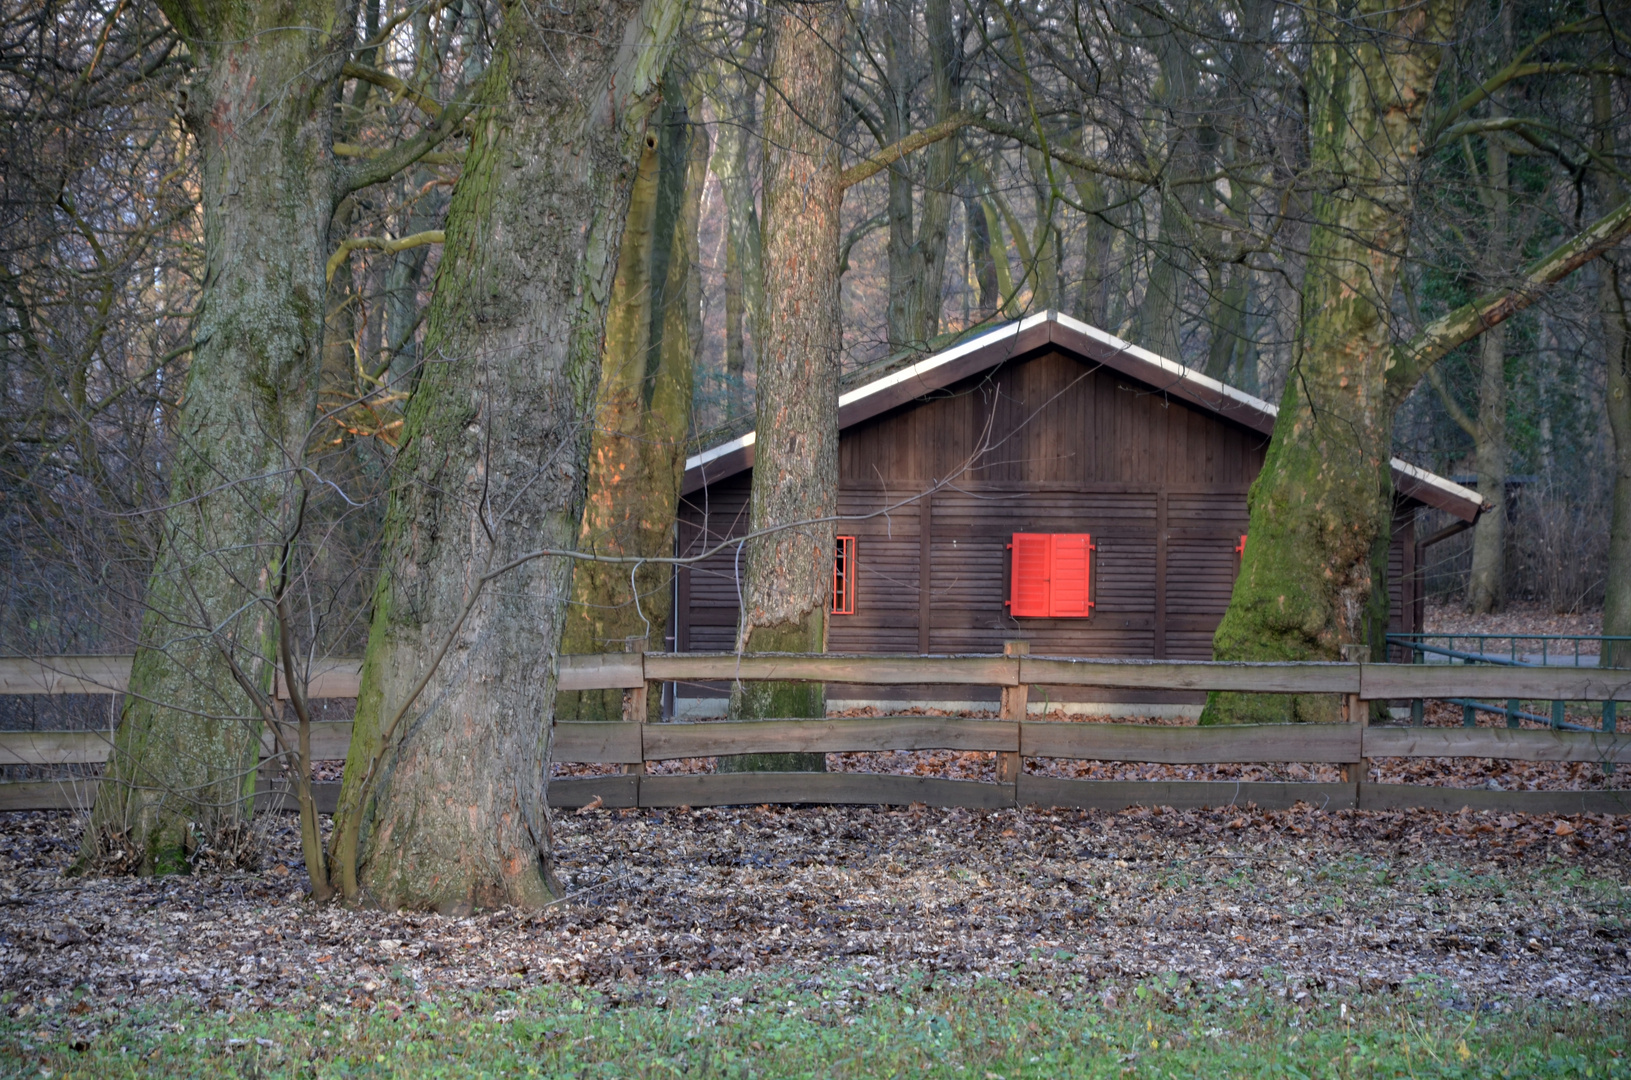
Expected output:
(1312, 578)
(443, 805)
(787, 585)
(643, 410)
(261, 108)
(1308, 582)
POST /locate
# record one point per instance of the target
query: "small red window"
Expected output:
(843, 577)
(1052, 576)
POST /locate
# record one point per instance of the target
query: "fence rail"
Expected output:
(1013, 738)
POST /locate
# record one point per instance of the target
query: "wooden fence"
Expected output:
(1013, 738)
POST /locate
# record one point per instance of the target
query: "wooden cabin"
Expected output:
(1093, 503)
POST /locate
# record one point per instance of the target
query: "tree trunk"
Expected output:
(637, 456)
(1319, 507)
(985, 264)
(735, 357)
(1174, 96)
(1614, 316)
(917, 250)
(733, 102)
(1484, 587)
(261, 107)
(788, 580)
(444, 799)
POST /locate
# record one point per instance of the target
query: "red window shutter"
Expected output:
(1071, 578)
(1029, 594)
(843, 577)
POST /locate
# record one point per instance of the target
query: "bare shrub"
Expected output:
(1559, 549)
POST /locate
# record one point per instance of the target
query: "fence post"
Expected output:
(635, 703)
(1015, 700)
(1610, 714)
(1354, 772)
(1512, 710)
(1557, 715)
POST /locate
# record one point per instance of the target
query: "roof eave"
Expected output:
(1015, 339)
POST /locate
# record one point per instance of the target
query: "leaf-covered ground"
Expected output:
(1318, 903)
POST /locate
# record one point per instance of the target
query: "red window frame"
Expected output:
(843, 576)
(1051, 576)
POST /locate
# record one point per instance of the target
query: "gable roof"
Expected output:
(894, 383)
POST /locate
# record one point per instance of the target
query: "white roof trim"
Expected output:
(1190, 375)
(1178, 371)
(1172, 367)
(939, 359)
(741, 442)
(1416, 472)
(894, 378)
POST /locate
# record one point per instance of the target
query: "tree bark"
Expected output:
(637, 455)
(1308, 581)
(443, 804)
(1614, 318)
(261, 107)
(916, 249)
(985, 263)
(1616, 330)
(788, 574)
(1485, 585)
(733, 102)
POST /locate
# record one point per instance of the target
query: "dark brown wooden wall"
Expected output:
(1050, 444)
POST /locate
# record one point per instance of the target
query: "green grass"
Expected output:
(840, 1025)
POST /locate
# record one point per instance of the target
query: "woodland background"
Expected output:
(100, 255)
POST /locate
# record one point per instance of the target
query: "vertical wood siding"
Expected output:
(1045, 444)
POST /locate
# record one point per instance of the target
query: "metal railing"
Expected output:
(1418, 649)
(1554, 648)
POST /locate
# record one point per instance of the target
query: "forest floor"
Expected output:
(1514, 619)
(1307, 904)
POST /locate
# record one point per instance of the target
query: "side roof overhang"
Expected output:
(899, 385)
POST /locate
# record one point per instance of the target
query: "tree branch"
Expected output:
(381, 243)
(1023, 134)
(886, 157)
(352, 150)
(1453, 329)
(376, 170)
(386, 81)
(1451, 405)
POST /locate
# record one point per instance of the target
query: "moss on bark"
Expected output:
(1310, 581)
(260, 108)
(444, 799)
(643, 410)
